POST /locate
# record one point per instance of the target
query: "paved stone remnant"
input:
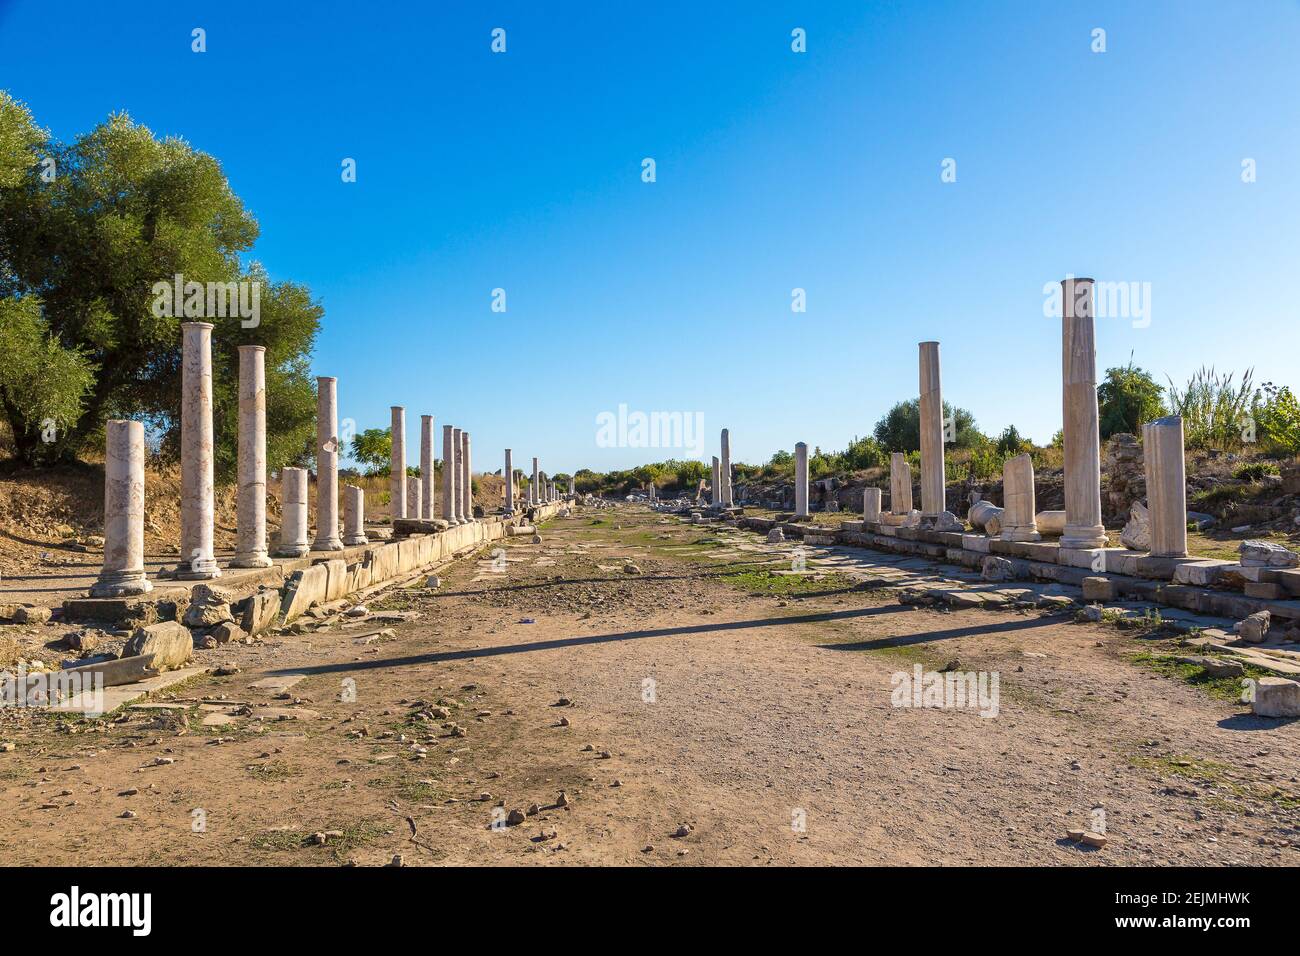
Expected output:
(1018, 522)
(123, 570)
(509, 474)
(250, 548)
(900, 484)
(397, 464)
(932, 467)
(871, 504)
(427, 488)
(293, 511)
(198, 560)
(1267, 554)
(449, 474)
(354, 516)
(1162, 444)
(327, 465)
(467, 480)
(1082, 442)
(801, 480)
(725, 468)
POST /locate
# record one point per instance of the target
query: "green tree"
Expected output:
(1277, 419)
(1127, 398)
(41, 383)
(899, 429)
(1009, 443)
(124, 211)
(374, 449)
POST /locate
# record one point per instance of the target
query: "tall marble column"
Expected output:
(426, 467)
(573, 486)
(448, 474)
(900, 484)
(327, 465)
(801, 480)
(932, 467)
(1082, 435)
(509, 474)
(726, 468)
(534, 488)
(354, 515)
(871, 504)
(715, 489)
(397, 465)
(123, 570)
(293, 513)
(250, 548)
(457, 492)
(198, 559)
(1162, 445)
(467, 476)
(1019, 505)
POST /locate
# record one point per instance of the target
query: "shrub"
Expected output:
(1276, 413)
(1128, 397)
(1216, 414)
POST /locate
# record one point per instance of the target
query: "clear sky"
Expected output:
(775, 170)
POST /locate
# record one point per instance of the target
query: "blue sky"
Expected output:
(775, 170)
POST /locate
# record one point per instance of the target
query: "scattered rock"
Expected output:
(1216, 666)
(169, 642)
(630, 568)
(209, 606)
(1136, 535)
(228, 633)
(1276, 697)
(33, 615)
(1266, 554)
(1254, 629)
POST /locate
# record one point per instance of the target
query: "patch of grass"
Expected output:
(1219, 495)
(1219, 688)
(348, 836)
(1256, 470)
(787, 585)
(272, 770)
(1179, 765)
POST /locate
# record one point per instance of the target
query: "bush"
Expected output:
(1010, 444)
(1276, 413)
(1216, 414)
(1126, 399)
(1255, 471)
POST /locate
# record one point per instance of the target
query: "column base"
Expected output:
(200, 569)
(292, 551)
(1018, 534)
(259, 559)
(1078, 537)
(120, 584)
(355, 540)
(329, 544)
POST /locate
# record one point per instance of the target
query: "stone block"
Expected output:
(976, 542)
(260, 612)
(1267, 554)
(1265, 591)
(1099, 589)
(1276, 697)
(169, 642)
(1204, 573)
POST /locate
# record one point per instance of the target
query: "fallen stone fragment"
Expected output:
(170, 644)
(1276, 697)
(1254, 629)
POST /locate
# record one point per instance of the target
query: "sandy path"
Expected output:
(768, 728)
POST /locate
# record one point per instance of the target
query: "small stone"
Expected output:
(631, 568)
(564, 721)
(127, 815)
(683, 831)
(396, 860)
(358, 610)
(1254, 629)
(562, 800)
(533, 810)
(32, 615)
(1093, 839)
(515, 817)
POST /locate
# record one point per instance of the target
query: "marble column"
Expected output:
(457, 493)
(327, 465)
(467, 476)
(397, 465)
(509, 474)
(726, 468)
(354, 515)
(414, 497)
(123, 570)
(293, 513)
(932, 467)
(1018, 504)
(801, 480)
(715, 490)
(448, 474)
(535, 489)
(900, 484)
(573, 487)
(198, 560)
(871, 504)
(250, 547)
(1162, 446)
(1082, 444)
(426, 468)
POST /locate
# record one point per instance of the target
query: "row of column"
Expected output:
(123, 569)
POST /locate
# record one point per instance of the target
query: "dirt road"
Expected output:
(707, 691)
